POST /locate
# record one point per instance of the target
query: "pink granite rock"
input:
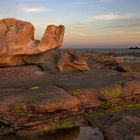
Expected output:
(17, 41)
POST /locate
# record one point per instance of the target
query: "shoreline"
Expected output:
(74, 97)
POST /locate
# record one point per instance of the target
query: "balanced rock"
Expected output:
(17, 41)
(53, 37)
(72, 61)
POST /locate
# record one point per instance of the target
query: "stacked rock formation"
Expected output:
(17, 44)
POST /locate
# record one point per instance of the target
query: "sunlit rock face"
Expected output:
(17, 41)
(16, 37)
(72, 61)
(53, 38)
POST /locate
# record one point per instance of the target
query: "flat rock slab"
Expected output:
(19, 74)
(125, 129)
(89, 79)
(88, 133)
(29, 87)
(37, 99)
(89, 97)
(27, 92)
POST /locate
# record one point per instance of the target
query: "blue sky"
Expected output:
(89, 23)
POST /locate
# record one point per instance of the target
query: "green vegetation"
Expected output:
(115, 110)
(20, 110)
(34, 87)
(76, 92)
(68, 123)
(128, 68)
(112, 97)
(112, 93)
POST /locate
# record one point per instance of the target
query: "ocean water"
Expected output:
(128, 54)
(107, 50)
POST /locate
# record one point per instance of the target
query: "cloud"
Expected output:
(101, 21)
(111, 24)
(126, 26)
(33, 9)
(80, 3)
(107, 0)
(112, 16)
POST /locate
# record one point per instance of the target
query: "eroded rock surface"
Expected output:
(125, 129)
(53, 38)
(17, 44)
(56, 95)
(102, 58)
(32, 101)
(16, 37)
(14, 75)
(129, 67)
(72, 61)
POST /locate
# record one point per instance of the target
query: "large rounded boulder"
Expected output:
(17, 42)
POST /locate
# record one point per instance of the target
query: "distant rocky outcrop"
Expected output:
(134, 48)
(17, 42)
(105, 59)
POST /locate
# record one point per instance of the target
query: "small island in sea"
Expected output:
(55, 94)
(134, 48)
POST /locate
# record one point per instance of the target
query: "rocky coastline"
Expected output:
(43, 88)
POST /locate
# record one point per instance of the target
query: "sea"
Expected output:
(108, 50)
(129, 55)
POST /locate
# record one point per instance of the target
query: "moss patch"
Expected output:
(20, 110)
(34, 87)
(112, 93)
(117, 109)
(127, 68)
(68, 123)
(76, 92)
(60, 124)
(112, 97)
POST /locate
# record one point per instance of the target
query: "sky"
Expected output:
(89, 23)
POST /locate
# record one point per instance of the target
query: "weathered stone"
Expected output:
(53, 38)
(88, 97)
(19, 74)
(16, 37)
(137, 137)
(33, 99)
(90, 134)
(125, 129)
(34, 58)
(102, 58)
(72, 61)
(17, 44)
(51, 61)
(6, 61)
(89, 79)
(129, 67)
(56, 99)
(132, 91)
